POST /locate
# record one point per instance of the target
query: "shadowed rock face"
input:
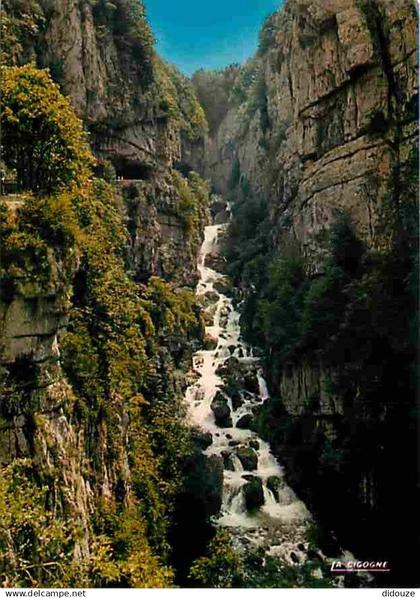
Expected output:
(253, 492)
(332, 128)
(338, 86)
(102, 56)
(111, 79)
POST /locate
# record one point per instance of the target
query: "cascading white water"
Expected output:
(280, 522)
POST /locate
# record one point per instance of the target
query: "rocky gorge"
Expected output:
(253, 399)
(316, 148)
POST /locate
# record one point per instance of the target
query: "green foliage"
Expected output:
(37, 545)
(112, 354)
(117, 356)
(243, 87)
(126, 21)
(323, 304)
(21, 22)
(249, 238)
(120, 354)
(213, 90)
(228, 566)
(42, 232)
(34, 544)
(222, 567)
(178, 100)
(286, 309)
(170, 311)
(257, 101)
(44, 141)
(193, 201)
(280, 309)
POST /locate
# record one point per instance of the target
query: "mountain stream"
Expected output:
(258, 505)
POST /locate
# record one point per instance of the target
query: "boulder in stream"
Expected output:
(248, 457)
(251, 383)
(231, 367)
(225, 287)
(210, 297)
(246, 422)
(221, 410)
(210, 342)
(208, 318)
(253, 494)
(216, 261)
(237, 400)
(202, 439)
(227, 461)
(274, 483)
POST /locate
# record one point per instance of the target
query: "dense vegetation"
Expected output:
(349, 327)
(237, 86)
(21, 23)
(45, 142)
(178, 100)
(151, 88)
(126, 21)
(117, 380)
(214, 89)
(227, 567)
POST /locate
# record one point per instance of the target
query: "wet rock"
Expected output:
(216, 261)
(222, 217)
(234, 443)
(221, 410)
(227, 461)
(231, 385)
(210, 342)
(248, 457)
(231, 367)
(251, 383)
(203, 486)
(294, 557)
(211, 297)
(246, 422)
(231, 349)
(274, 484)
(248, 476)
(301, 547)
(253, 494)
(224, 287)
(237, 400)
(254, 444)
(202, 439)
(314, 556)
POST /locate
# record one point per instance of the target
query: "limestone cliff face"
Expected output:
(104, 62)
(85, 448)
(142, 114)
(323, 122)
(337, 90)
(330, 125)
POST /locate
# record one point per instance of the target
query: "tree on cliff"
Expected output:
(43, 140)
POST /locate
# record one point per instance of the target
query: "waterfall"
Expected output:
(247, 458)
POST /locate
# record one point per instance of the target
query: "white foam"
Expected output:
(225, 329)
